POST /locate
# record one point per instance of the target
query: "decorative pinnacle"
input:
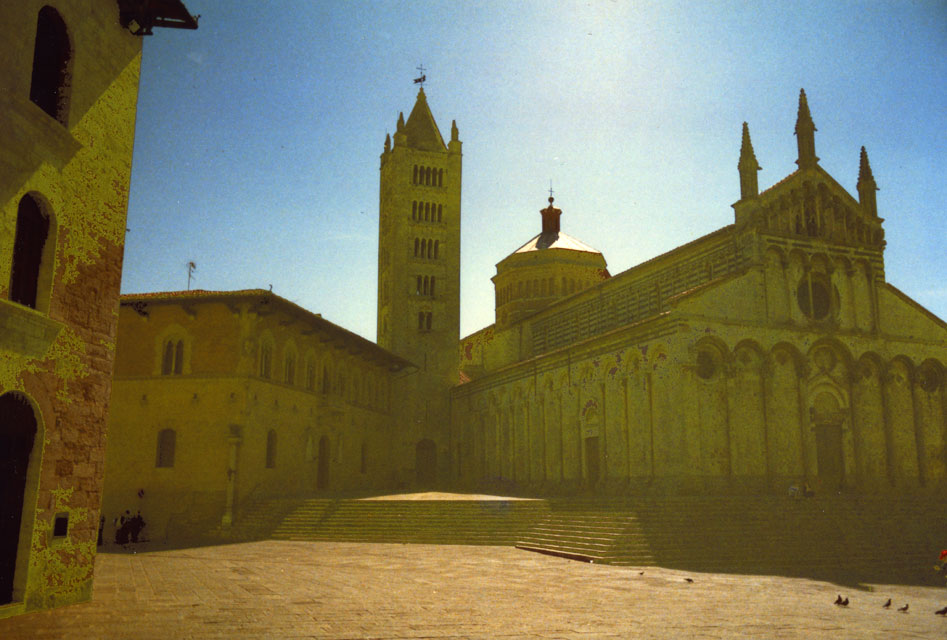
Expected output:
(864, 170)
(400, 126)
(803, 117)
(747, 156)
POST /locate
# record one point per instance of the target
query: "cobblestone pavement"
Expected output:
(278, 589)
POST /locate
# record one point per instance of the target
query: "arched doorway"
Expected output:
(322, 474)
(425, 462)
(17, 432)
(827, 420)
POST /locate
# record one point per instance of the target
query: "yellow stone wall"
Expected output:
(222, 404)
(58, 356)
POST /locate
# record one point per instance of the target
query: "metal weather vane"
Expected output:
(420, 80)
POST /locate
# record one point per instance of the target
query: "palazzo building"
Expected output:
(223, 398)
(69, 74)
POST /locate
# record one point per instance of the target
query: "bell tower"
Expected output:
(419, 247)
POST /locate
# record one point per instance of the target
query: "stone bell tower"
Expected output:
(419, 277)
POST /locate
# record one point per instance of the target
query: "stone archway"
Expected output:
(425, 464)
(17, 433)
(827, 417)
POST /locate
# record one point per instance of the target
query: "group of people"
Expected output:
(129, 527)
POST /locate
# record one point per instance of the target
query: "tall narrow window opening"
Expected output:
(32, 230)
(166, 445)
(49, 85)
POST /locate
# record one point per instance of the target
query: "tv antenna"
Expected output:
(191, 268)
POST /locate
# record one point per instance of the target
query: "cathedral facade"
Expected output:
(765, 355)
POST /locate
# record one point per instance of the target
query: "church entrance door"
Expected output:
(322, 473)
(828, 439)
(425, 462)
(17, 431)
(591, 460)
(827, 423)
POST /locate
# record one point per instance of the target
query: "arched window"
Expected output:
(439, 211)
(440, 177)
(428, 321)
(433, 278)
(167, 358)
(32, 231)
(427, 176)
(416, 243)
(414, 210)
(271, 449)
(165, 453)
(172, 357)
(179, 357)
(423, 248)
(310, 374)
(290, 368)
(266, 360)
(427, 211)
(415, 179)
(418, 289)
(326, 382)
(49, 86)
(424, 286)
(435, 249)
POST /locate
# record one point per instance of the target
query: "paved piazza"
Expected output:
(278, 589)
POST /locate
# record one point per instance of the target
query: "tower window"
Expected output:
(417, 290)
(416, 244)
(414, 210)
(414, 180)
(49, 85)
(432, 285)
(290, 367)
(440, 177)
(428, 321)
(435, 249)
(439, 211)
(32, 231)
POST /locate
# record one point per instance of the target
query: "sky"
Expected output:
(258, 135)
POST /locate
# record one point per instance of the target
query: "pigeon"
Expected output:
(942, 612)
(688, 579)
(641, 573)
(844, 603)
(887, 605)
(903, 609)
(838, 600)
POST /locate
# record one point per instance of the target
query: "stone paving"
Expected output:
(278, 589)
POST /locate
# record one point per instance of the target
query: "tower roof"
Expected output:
(421, 129)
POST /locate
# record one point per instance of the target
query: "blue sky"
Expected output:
(258, 135)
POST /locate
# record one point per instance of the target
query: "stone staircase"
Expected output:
(873, 538)
(476, 522)
(865, 537)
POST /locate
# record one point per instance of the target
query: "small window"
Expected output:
(61, 525)
(271, 449)
(49, 85)
(32, 231)
(166, 444)
(290, 368)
